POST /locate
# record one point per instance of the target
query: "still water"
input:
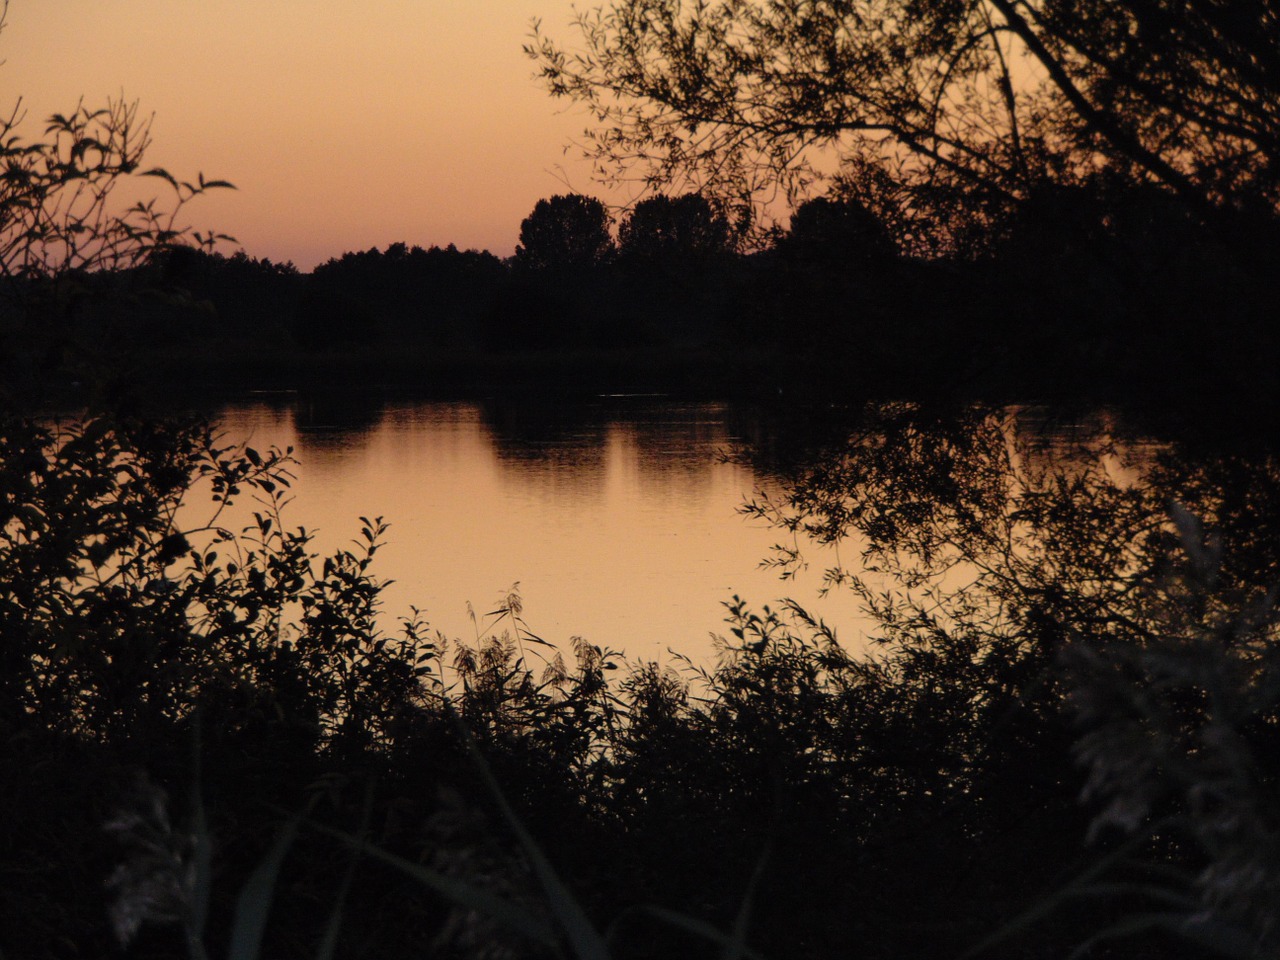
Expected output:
(617, 518)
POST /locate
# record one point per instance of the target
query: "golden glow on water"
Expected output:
(619, 524)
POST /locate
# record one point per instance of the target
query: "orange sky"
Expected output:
(343, 125)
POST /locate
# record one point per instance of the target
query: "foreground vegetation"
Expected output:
(1063, 735)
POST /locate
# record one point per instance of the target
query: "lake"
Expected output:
(617, 517)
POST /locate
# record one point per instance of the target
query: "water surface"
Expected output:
(618, 518)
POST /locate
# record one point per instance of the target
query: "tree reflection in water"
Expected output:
(1038, 591)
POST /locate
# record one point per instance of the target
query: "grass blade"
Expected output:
(254, 902)
(329, 942)
(1077, 888)
(201, 880)
(1218, 938)
(202, 855)
(737, 946)
(510, 915)
(586, 940)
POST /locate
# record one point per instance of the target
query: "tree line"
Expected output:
(1097, 179)
(1077, 291)
(1010, 198)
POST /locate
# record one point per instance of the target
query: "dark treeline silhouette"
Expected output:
(1077, 292)
(1083, 194)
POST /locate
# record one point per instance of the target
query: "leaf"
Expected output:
(163, 174)
(254, 903)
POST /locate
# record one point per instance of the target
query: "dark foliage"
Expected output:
(565, 233)
(176, 685)
(685, 230)
(1039, 632)
(985, 100)
(1097, 289)
(408, 295)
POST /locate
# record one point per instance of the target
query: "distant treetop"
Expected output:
(567, 231)
(663, 227)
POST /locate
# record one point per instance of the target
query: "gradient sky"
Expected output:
(343, 125)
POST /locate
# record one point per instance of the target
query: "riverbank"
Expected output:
(1166, 390)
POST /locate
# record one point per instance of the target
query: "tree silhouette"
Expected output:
(991, 96)
(57, 210)
(69, 246)
(671, 228)
(839, 232)
(565, 232)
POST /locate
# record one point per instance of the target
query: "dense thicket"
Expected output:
(1044, 634)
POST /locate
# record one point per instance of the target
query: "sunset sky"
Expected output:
(344, 126)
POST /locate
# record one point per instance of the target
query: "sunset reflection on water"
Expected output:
(617, 519)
